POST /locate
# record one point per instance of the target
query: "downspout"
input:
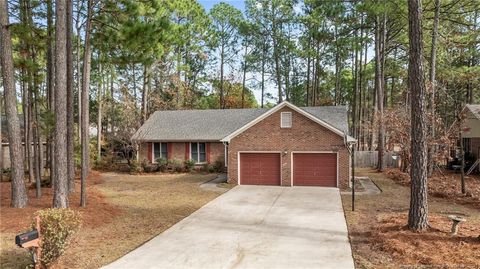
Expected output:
(225, 144)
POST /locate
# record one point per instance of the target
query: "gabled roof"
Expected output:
(475, 109)
(309, 112)
(217, 124)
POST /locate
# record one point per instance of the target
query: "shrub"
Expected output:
(149, 167)
(162, 164)
(106, 163)
(205, 167)
(135, 167)
(189, 164)
(211, 169)
(57, 227)
(218, 165)
(175, 165)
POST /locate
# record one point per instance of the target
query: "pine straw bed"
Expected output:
(123, 212)
(380, 238)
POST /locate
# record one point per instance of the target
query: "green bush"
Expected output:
(212, 169)
(175, 165)
(162, 164)
(149, 167)
(189, 165)
(135, 167)
(218, 166)
(57, 227)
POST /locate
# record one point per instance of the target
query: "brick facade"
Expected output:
(216, 150)
(305, 135)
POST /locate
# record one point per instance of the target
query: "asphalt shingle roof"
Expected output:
(215, 124)
(475, 109)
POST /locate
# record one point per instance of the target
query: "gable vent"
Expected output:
(286, 120)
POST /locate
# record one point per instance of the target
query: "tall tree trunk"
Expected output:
(50, 86)
(337, 66)
(433, 57)
(28, 126)
(70, 118)
(307, 89)
(19, 192)
(365, 101)
(99, 113)
(360, 87)
(85, 107)
(263, 73)
(418, 213)
(60, 198)
(78, 28)
(146, 74)
(355, 86)
(244, 78)
(276, 58)
(26, 82)
(36, 164)
(37, 148)
(379, 82)
(222, 93)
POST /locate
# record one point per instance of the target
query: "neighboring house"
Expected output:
(285, 145)
(471, 131)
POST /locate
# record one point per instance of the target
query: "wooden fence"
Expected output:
(370, 159)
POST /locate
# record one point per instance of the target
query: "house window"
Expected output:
(198, 152)
(160, 150)
(286, 120)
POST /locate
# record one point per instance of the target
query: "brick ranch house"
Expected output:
(285, 145)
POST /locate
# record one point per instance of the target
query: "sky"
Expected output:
(208, 4)
(240, 4)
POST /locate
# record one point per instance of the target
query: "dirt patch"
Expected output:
(17, 220)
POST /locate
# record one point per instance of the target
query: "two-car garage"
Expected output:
(306, 168)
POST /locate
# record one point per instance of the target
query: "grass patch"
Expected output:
(380, 239)
(123, 212)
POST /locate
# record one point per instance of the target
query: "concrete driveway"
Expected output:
(254, 227)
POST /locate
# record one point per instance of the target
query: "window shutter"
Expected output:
(187, 151)
(149, 151)
(286, 120)
(169, 150)
(207, 151)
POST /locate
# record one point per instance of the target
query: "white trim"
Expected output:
(275, 109)
(320, 152)
(248, 151)
(281, 120)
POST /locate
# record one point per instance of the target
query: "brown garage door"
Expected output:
(259, 168)
(315, 169)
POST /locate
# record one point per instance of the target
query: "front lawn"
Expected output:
(123, 212)
(380, 239)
